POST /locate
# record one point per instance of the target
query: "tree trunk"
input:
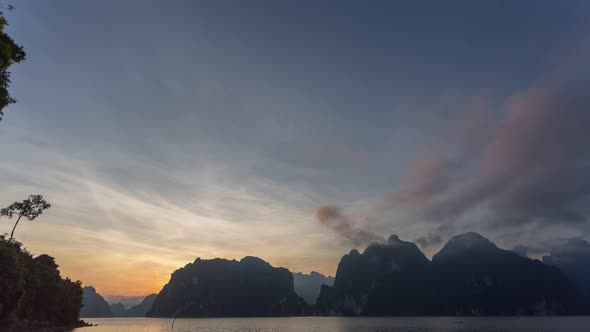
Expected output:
(13, 228)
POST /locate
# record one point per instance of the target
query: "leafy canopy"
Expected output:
(10, 53)
(29, 208)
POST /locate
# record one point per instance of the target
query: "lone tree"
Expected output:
(10, 53)
(30, 208)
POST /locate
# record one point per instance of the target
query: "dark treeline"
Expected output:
(10, 53)
(33, 289)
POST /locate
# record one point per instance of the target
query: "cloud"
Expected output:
(428, 178)
(573, 250)
(524, 250)
(573, 259)
(333, 218)
(532, 166)
(116, 214)
(429, 240)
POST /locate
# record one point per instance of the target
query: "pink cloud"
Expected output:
(532, 165)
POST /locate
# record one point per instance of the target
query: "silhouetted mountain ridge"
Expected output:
(467, 243)
(387, 276)
(475, 277)
(93, 304)
(141, 309)
(470, 275)
(307, 286)
(228, 288)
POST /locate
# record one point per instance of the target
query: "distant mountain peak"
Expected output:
(89, 289)
(471, 237)
(308, 286)
(470, 241)
(354, 252)
(394, 240)
(94, 305)
(469, 276)
(254, 261)
(228, 288)
(394, 243)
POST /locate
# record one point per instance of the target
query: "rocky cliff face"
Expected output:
(387, 278)
(93, 304)
(308, 286)
(475, 277)
(469, 276)
(224, 288)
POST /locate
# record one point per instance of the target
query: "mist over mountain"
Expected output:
(469, 276)
(118, 310)
(138, 310)
(308, 286)
(93, 304)
(141, 309)
(573, 259)
(126, 301)
(218, 287)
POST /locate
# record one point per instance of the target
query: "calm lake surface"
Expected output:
(344, 324)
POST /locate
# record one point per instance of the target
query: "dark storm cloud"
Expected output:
(333, 218)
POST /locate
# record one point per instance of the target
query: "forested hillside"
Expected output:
(32, 289)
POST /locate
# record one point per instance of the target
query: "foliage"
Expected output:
(10, 53)
(32, 289)
(29, 208)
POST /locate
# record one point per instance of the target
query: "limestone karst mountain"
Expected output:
(308, 286)
(228, 288)
(469, 276)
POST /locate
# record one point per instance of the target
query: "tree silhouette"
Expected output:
(30, 208)
(10, 53)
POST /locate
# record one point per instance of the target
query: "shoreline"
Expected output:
(28, 326)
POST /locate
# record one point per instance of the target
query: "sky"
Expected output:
(293, 130)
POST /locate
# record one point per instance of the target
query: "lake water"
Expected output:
(342, 324)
